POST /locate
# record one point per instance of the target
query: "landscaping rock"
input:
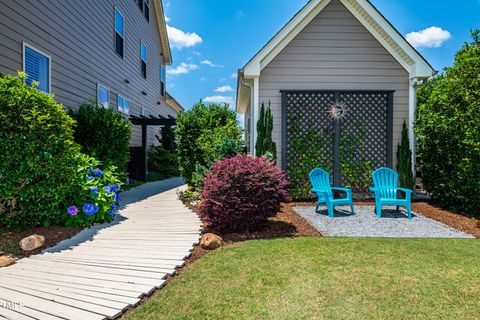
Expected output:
(5, 261)
(32, 242)
(211, 241)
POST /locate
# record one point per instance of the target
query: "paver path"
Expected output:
(106, 269)
(365, 223)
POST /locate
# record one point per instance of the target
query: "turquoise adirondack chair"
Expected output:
(320, 180)
(385, 187)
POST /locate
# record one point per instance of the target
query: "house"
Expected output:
(113, 51)
(338, 72)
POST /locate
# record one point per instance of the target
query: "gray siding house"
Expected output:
(112, 51)
(340, 69)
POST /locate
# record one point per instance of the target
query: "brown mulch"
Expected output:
(9, 240)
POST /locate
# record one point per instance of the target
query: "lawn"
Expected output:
(326, 278)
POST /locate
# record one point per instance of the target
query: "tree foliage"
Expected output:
(199, 131)
(264, 144)
(448, 130)
(404, 160)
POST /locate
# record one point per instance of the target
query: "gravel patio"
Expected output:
(365, 223)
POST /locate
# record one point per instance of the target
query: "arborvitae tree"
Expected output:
(404, 160)
(264, 144)
(167, 139)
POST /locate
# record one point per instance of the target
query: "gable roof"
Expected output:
(367, 15)
(162, 30)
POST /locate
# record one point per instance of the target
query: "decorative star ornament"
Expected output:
(338, 110)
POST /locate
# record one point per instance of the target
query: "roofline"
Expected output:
(162, 29)
(172, 102)
(254, 66)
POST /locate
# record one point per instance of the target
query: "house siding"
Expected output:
(334, 52)
(79, 38)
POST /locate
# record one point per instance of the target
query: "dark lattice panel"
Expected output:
(367, 110)
(307, 111)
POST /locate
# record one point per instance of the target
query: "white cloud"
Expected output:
(432, 37)
(224, 89)
(211, 64)
(167, 19)
(183, 68)
(234, 75)
(197, 53)
(219, 99)
(180, 39)
(202, 79)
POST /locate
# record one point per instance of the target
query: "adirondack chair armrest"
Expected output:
(346, 190)
(405, 190)
(320, 191)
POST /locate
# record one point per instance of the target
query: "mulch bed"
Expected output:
(9, 239)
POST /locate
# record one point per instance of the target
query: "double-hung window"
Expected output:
(143, 58)
(162, 79)
(123, 105)
(103, 96)
(37, 66)
(146, 9)
(119, 33)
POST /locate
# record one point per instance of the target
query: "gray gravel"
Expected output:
(365, 223)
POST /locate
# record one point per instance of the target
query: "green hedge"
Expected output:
(448, 131)
(104, 134)
(37, 152)
(199, 131)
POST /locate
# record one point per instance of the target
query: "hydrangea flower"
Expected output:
(117, 197)
(89, 209)
(90, 177)
(107, 189)
(94, 190)
(97, 173)
(113, 210)
(355, 152)
(72, 210)
(114, 188)
(89, 171)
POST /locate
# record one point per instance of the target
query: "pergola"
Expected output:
(141, 162)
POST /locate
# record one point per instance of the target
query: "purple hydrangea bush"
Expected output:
(95, 198)
(241, 192)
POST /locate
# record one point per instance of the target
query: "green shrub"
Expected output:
(162, 162)
(404, 160)
(37, 153)
(94, 196)
(104, 134)
(167, 139)
(264, 144)
(199, 131)
(448, 130)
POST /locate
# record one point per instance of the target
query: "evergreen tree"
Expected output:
(404, 160)
(264, 144)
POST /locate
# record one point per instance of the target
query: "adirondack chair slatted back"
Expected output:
(320, 180)
(387, 180)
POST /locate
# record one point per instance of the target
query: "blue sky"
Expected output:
(211, 39)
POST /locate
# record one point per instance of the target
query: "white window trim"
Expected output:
(99, 84)
(122, 110)
(26, 45)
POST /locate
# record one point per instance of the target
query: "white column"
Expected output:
(255, 112)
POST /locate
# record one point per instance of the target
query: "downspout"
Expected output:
(252, 125)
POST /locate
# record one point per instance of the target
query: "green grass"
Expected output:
(326, 278)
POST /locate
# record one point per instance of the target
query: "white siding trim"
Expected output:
(255, 112)
(412, 104)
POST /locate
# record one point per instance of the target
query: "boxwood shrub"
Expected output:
(104, 134)
(241, 192)
(37, 152)
(448, 131)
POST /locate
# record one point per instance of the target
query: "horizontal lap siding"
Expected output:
(334, 52)
(78, 35)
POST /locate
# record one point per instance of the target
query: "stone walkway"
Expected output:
(365, 223)
(108, 268)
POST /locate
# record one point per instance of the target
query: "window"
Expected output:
(143, 58)
(37, 67)
(119, 36)
(103, 96)
(146, 9)
(123, 105)
(142, 111)
(162, 80)
(140, 4)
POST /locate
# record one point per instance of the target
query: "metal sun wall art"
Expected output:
(338, 110)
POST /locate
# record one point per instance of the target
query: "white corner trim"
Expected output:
(412, 107)
(255, 112)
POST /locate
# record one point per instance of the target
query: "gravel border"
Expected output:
(365, 223)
